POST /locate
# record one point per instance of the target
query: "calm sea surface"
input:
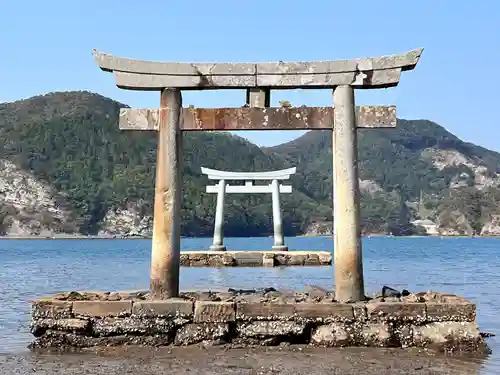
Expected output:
(31, 269)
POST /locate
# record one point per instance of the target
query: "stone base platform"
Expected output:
(255, 317)
(255, 258)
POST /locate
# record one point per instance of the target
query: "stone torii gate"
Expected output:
(342, 76)
(274, 188)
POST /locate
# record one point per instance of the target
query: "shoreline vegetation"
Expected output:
(125, 237)
(91, 180)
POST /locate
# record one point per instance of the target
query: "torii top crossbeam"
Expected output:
(283, 174)
(373, 72)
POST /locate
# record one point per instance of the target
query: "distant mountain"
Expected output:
(67, 168)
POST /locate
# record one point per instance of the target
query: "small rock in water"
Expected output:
(487, 334)
(390, 292)
(266, 290)
(241, 291)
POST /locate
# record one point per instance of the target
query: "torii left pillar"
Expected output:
(166, 249)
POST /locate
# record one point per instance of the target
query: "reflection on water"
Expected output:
(30, 269)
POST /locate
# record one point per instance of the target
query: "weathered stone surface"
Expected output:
(331, 311)
(377, 79)
(170, 307)
(443, 332)
(40, 326)
(376, 334)
(228, 260)
(280, 118)
(268, 260)
(75, 296)
(403, 334)
(407, 60)
(247, 258)
(306, 67)
(184, 260)
(321, 80)
(256, 118)
(262, 329)
(412, 298)
(63, 341)
(271, 311)
(325, 258)
(396, 311)
(315, 291)
(126, 80)
(201, 296)
(109, 62)
(458, 312)
(364, 72)
(312, 260)
(99, 296)
(199, 258)
(441, 297)
(334, 334)
(359, 310)
(293, 259)
(144, 119)
(48, 308)
(194, 333)
(257, 317)
(377, 116)
(214, 312)
(132, 325)
(280, 311)
(102, 308)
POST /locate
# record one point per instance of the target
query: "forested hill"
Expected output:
(67, 168)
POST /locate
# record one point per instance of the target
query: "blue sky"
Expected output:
(46, 46)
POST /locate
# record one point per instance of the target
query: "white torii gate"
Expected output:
(274, 188)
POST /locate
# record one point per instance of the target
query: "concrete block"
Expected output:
(396, 311)
(264, 329)
(190, 334)
(268, 260)
(247, 258)
(332, 335)
(40, 326)
(332, 311)
(443, 332)
(102, 308)
(376, 334)
(170, 307)
(439, 312)
(214, 312)
(271, 311)
(48, 308)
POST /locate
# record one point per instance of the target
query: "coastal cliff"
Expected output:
(66, 169)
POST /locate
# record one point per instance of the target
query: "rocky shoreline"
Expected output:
(265, 317)
(126, 237)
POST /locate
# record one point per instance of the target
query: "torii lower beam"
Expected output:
(251, 118)
(274, 188)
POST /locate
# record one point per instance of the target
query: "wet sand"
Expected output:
(220, 360)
